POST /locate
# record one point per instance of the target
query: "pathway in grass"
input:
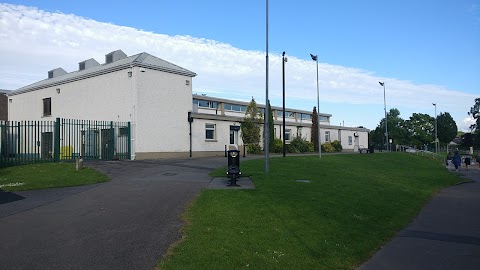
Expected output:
(351, 206)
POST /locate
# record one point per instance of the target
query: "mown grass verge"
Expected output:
(47, 175)
(352, 205)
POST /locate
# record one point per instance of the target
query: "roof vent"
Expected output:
(56, 72)
(87, 64)
(114, 56)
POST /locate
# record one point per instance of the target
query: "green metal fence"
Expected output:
(62, 140)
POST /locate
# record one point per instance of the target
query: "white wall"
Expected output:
(222, 135)
(105, 97)
(163, 103)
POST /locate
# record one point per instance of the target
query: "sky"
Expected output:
(425, 51)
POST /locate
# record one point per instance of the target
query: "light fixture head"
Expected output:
(314, 57)
(381, 83)
(434, 104)
(58, 90)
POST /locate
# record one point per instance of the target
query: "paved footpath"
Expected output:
(445, 235)
(126, 223)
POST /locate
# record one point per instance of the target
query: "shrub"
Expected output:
(299, 145)
(277, 146)
(254, 149)
(328, 148)
(337, 145)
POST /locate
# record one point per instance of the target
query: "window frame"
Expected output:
(350, 140)
(327, 136)
(47, 107)
(210, 127)
(288, 134)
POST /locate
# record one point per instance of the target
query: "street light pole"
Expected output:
(266, 116)
(315, 58)
(386, 122)
(284, 59)
(436, 143)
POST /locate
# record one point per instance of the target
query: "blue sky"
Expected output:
(426, 51)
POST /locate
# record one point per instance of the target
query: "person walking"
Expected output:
(456, 160)
(478, 160)
(467, 160)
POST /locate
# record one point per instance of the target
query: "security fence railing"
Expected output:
(62, 140)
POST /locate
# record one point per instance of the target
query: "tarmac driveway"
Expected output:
(126, 223)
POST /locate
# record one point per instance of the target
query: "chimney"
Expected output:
(56, 72)
(114, 56)
(87, 64)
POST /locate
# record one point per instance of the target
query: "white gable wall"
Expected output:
(106, 97)
(163, 102)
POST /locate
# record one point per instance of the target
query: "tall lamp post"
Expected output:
(315, 58)
(284, 60)
(436, 140)
(386, 122)
(266, 116)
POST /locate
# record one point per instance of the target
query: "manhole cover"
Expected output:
(169, 174)
(303, 181)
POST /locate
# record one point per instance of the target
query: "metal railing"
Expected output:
(24, 142)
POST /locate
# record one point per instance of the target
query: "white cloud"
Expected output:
(466, 123)
(34, 41)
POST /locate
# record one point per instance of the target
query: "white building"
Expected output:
(155, 96)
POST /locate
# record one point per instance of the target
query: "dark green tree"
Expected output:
(396, 131)
(421, 128)
(251, 127)
(447, 128)
(314, 138)
(475, 113)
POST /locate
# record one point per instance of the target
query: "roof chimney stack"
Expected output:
(114, 56)
(56, 72)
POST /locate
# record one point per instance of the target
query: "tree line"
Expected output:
(419, 130)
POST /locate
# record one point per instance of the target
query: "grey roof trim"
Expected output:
(344, 128)
(236, 102)
(168, 70)
(73, 79)
(131, 61)
(206, 116)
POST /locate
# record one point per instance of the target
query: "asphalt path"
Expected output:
(445, 235)
(126, 223)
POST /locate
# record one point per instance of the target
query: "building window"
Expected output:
(305, 116)
(323, 118)
(209, 131)
(205, 103)
(47, 106)
(275, 132)
(235, 108)
(288, 132)
(287, 114)
(50, 74)
(299, 132)
(350, 141)
(327, 136)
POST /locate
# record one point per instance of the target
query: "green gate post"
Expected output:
(56, 144)
(18, 156)
(129, 143)
(112, 142)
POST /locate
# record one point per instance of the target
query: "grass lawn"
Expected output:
(47, 175)
(352, 205)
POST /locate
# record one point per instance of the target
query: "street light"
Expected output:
(386, 122)
(266, 116)
(436, 143)
(315, 58)
(284, 60)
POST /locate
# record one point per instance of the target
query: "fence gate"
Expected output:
(63, 140)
